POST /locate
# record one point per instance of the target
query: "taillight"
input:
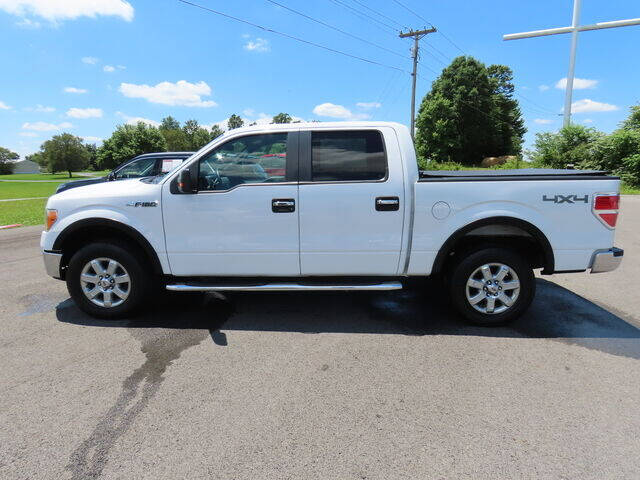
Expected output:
(605, 207)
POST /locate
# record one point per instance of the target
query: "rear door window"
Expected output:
(348, 156)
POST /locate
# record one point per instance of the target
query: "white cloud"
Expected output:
(28, 134)
(587, 105)
(45, 127)
(257, 45)
(337, 111)
(84, 112)
(249, 112)
(135, 120)
(73, 89)
(543, 121)
(28, 23)
(109, 68)
(181, 93)
(367, 105)
(91, 139)
(578, 83)
(40, 108)
(4, 106)
(587, 120)
(543, 88)
(90, 60)
(57, 10)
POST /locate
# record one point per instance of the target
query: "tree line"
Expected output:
(69, 153)
(587, 148)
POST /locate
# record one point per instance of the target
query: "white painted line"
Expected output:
(19, 199)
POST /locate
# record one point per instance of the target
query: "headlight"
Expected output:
(50, 218)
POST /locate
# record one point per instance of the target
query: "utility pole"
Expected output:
(417, 35)
(574, 29)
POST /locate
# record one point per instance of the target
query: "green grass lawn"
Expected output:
(26, 212)
(627, 190)
(27, 190)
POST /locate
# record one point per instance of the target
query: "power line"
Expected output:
(452, 42)
(336, 28)
(379, 13)
(361, 14)
(429, 23)
(286, 35)
(409, 10)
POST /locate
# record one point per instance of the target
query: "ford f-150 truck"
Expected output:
(328, 206)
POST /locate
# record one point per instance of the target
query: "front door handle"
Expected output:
(283, 205)
(387, 204)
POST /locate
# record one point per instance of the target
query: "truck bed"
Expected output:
(510, 175)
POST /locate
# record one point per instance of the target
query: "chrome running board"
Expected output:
(282, 287)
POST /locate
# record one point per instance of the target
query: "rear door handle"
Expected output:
(387, 204)
(283, 205)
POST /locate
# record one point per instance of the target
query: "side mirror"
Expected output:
(185, 183)
(111, 176)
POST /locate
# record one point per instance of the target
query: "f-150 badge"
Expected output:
(142, 204)
(565, 199)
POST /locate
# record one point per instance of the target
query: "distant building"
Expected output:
(26, 166)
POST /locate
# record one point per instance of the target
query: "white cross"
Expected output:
(573, 29)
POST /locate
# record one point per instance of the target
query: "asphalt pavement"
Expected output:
(320, 385)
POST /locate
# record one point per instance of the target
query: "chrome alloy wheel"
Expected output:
(105, 282)
(493, 288)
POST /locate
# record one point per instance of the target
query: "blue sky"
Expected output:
(84, 67)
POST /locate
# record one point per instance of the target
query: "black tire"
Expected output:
(462, 271)
(139, 287)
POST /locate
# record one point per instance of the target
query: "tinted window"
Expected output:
(144, 167)
(347, 156)
(250, 159)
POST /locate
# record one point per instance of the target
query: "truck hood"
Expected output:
(79, 183)
(108, 193)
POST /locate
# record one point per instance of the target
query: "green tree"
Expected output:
(468, 114)
(169, 123)
(92, 161)
(6, 161)
(282, 118)
(510, 131)
(196, 136)
(173, 135)
(234, 122)
(633, 120)
(216, 131)
(65, 153)
(127, 141)
(571, 145)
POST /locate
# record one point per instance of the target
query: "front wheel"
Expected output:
(492, 286)
(107, 281)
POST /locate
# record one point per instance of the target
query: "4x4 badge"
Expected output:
(565, 199)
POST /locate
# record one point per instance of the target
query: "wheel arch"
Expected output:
(89, 230)
(515, 225)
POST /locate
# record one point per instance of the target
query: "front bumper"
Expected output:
(52, 263)
(606, 260)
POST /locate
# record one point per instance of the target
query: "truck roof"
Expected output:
(314, 125)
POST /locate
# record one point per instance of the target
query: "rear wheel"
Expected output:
(492, 286)
(107, 281)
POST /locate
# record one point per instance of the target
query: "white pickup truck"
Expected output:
(328, 206)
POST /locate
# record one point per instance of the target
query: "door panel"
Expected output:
(351, 228)
(233, 233)
(244, 219)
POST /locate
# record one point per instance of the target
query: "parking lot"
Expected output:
(321, 385)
